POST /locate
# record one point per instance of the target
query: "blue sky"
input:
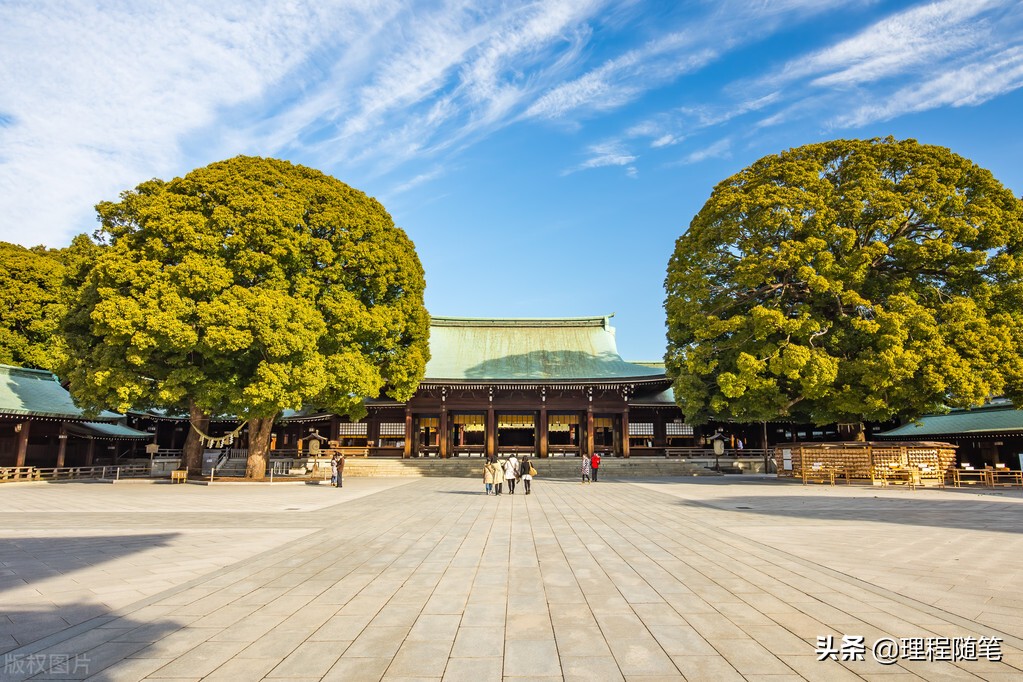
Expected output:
(543, 156)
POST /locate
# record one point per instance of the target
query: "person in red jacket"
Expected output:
(595, 464)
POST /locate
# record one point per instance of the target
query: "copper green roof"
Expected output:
(665, 398)
(551, 349)
(37, 393)
(990, 420)
(108, 431)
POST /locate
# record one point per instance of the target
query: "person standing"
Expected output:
(498, 475)
(488, 476)
(340, 469)
(524, 468)
(595, 465)
(333, 471)
(511, 473)
(587, 470)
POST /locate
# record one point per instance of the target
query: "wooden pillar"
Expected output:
(625, 433)
(23, 443)
(589, 430)
(543, 432)
(62, 445)
(445, 450)
(660, 430)
(407, 452)
(491, 432)
(373, 430)
(90, 453)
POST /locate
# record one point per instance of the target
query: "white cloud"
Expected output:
(604, 154)
(719, 150)
(967, 86)
(944, 53)
(663, 60)
(420, 179)
(100, 97)
(913, 38)
(666, 140)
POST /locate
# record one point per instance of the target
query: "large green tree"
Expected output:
(243, 288)
(847, 281)
(35, 287)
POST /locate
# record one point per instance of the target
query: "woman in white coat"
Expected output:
(511, 473)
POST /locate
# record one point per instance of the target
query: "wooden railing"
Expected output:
(703, 453)
(11, 474)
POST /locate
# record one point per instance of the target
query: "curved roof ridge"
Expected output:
(528, 349)
(588, 321)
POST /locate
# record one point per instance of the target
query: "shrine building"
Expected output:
(550, 387)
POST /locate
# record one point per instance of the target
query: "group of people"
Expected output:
(500, 472)
(337, 470)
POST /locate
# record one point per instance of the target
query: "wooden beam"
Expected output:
(543, 432)
(445, 450)
(491, 432)
(61, 445)
(589, 430)
(625, 433)
(22, 443)
(407, 453)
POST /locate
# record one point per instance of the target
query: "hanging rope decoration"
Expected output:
(218, 441)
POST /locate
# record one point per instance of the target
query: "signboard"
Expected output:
(786, 459)
(209, 460)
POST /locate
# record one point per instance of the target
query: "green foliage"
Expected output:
(35, 287)
(846, 281)
(248, 286)
(32, 303)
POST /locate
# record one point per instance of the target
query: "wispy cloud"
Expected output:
(914, 38)
(945, 53)
(100, 97)
(718, 150)
(94, 99)
(612, 153)
(705, 38)
(414, 182)
(966, 86)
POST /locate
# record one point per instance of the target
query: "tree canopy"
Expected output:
(35, 287)
(246, 287)
(846, 281)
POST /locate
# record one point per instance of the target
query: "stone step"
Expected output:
(546, 468)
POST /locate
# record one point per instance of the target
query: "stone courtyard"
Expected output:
(661, 579)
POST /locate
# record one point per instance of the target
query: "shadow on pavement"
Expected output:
(988, 512)
(27, 560)
(79, 651)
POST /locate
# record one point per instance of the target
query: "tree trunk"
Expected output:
(259, 447)
(191, 453)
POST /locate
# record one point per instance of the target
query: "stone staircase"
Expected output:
(556, 468)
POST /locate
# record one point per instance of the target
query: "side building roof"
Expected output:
(990, 420)
(572, 349)
(37, 393)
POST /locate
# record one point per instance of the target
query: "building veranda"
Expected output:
(547, 387)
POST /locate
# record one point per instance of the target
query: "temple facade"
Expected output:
(41, 426)
(549, 387)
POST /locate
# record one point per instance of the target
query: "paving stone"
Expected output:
(637, 581)
(531, 658)
(473, 669)
(479, 642)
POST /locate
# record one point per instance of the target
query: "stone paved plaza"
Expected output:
(698, 579)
